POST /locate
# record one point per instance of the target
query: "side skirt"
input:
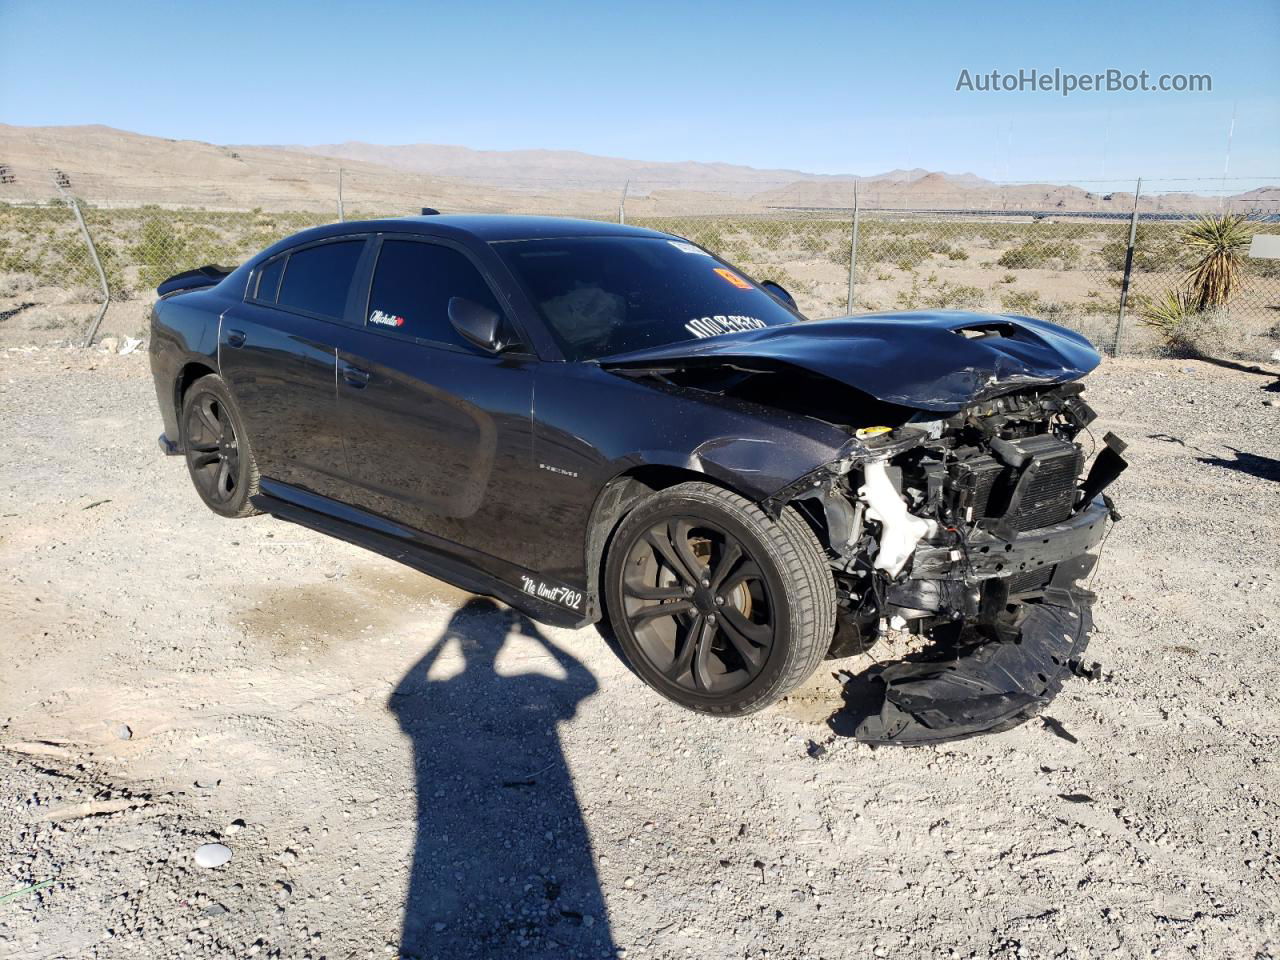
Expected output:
(392, 541)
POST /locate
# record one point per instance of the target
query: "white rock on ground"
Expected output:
(211, 855)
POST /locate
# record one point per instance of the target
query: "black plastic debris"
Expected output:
(980, 687)
(1092, 672)
(815, 749)
(1058, 730)
(1075, 797)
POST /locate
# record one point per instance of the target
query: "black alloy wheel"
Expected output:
(698, 605)
(716, 605)
(218, 455)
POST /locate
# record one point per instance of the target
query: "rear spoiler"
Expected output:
(205, 276)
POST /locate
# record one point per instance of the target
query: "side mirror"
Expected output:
(478, 324)
(779, 292)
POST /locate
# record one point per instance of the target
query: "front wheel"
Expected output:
(715, 604)
(218, 454)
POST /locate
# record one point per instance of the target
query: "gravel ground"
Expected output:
(398, 768)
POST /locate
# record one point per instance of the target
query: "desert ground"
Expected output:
(399, 769)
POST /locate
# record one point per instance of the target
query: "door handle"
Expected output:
(236, 338)
(355, 376)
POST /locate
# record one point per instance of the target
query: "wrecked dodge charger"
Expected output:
(601, 423)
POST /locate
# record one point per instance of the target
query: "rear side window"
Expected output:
(269, 280)
(412, 284)
(317, 279)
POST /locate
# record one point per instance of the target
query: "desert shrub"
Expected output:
(1182, 327)
(940, 296)
(909, 253)
(955, 253)
(1032, 254)
(708, 237)
(1021, 301)
(936, 244)
(955, 296)
(1155, 249)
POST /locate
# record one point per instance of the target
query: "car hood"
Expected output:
(938, 360)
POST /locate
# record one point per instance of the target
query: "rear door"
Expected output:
(437, 431)
(277, 352)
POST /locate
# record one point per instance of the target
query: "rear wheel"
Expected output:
(219, 458)
(716, 605)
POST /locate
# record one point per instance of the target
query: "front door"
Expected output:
(437, 431)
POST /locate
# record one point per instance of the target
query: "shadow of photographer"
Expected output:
(502, 863)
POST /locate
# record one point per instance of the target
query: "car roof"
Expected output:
(489, 227)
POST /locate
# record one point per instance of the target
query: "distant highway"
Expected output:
(1256, 215)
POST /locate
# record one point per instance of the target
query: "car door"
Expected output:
(437, 430)
(276, 350)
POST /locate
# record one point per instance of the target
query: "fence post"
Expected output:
(341, 217)
(853, 249)
(1128, 269)
(97, 264)
(622, 203)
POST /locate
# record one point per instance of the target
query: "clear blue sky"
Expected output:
(838, 87)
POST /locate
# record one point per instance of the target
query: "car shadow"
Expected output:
(502, 862)
(1265, 468)
(863, 698)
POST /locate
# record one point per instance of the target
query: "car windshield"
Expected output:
(608, 295)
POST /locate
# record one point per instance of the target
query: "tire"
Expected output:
(715, 632)
(219, 457)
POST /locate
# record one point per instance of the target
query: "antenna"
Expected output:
(1226, 165)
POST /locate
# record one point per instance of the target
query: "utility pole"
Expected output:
(853, 249)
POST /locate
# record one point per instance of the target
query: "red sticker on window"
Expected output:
(386, 319)
(733, 278)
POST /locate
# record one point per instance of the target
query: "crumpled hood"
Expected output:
(937, 360)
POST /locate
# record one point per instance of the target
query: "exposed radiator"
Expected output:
(1046, 488)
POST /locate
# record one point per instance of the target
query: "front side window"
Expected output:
(318, 279)
(602, 296)
(412, 285)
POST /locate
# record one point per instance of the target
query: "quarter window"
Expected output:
(317, 279)
(269, 280)
(412, 285)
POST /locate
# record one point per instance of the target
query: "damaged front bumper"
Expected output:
(978, 546)
(951, 578)
(988, 681)
(984, 687)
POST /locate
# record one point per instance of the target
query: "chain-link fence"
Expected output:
(1069, 266)
(902, 260)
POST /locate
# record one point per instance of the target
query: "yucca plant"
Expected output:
(1219, 244)
(1168, 312)
(1184, 328)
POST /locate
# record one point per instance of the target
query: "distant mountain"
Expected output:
(569, 168)
(109, 167)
